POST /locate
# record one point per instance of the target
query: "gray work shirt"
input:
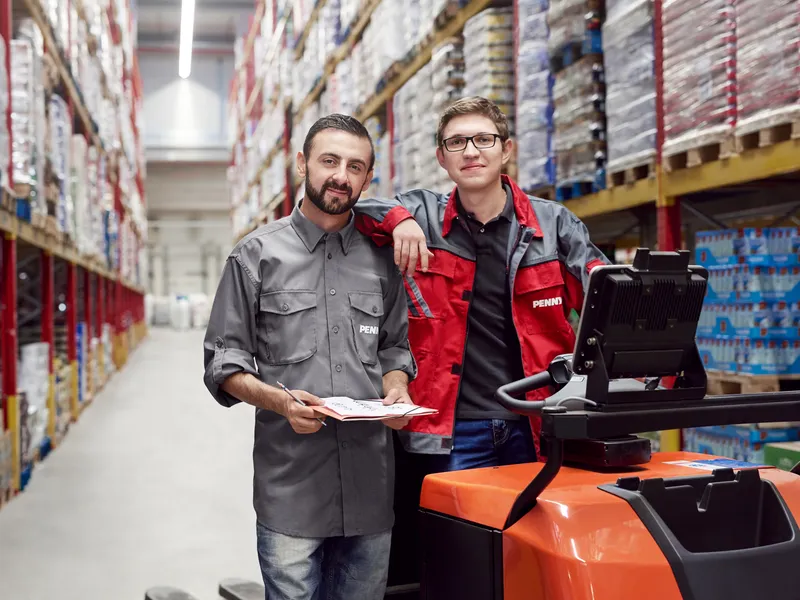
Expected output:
(325, 313)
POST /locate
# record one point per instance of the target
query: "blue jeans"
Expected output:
(487, 443)
(339, 568)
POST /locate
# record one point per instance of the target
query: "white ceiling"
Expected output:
(217, 22)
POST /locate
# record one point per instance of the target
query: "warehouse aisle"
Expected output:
(151, 487)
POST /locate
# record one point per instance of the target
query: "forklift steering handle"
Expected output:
(504, 394)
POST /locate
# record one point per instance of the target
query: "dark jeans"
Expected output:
(486, 443)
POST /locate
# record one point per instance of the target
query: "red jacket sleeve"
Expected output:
(377, 218)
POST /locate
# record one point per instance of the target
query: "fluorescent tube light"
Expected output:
(187, 33)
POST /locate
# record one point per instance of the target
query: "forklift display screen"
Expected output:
(640, 321)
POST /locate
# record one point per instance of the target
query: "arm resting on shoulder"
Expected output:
(399, 221)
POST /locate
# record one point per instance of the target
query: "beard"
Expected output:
(336, 206)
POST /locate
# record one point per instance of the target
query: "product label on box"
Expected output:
(716, 463)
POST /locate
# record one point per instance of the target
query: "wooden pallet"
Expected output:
(39, 221)
(768, 136)
(446, 15)
(7, 203)
(694, 157)
(728, 383)
(546, 193)
(631, 175)
(51, 229)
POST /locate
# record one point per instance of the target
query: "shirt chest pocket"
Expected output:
(289, 318)
(366, 310)
(539, 298)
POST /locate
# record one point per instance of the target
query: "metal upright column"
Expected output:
(668, 211)
(48, 337)
(88, 333)
(100, 320)
(668, 208)
(8, 271)
(390, 129)
(9, 341)
(119, 303)
(72, 341)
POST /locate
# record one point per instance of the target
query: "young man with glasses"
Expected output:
(491, 303)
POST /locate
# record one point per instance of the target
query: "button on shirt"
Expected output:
(325, 313)
(492, 356)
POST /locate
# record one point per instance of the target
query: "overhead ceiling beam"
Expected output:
(200, 41)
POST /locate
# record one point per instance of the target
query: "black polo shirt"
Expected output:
(492, 355)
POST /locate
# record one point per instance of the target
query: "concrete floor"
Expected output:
(152, 486)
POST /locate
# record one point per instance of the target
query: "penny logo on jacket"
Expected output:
(557, 301)
(370, 329)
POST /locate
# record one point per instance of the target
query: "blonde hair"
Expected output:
(474, 105)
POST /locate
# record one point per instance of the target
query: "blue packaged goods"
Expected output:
(534, 101)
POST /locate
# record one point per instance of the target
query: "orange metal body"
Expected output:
(578, 543)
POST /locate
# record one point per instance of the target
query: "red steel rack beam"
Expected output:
(668, 210)
(88, 330)
(72, 341)
(48, 336)
(9, 340)
(100, 320)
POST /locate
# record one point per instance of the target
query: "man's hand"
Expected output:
(409, 246)
(302, 418)
(397, 395)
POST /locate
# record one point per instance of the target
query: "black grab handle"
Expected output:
(504, 394)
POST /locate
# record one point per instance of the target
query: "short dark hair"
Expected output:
(342, 123)
(474, 105)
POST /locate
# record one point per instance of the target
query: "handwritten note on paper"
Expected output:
(343, 408)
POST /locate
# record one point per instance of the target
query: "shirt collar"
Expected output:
(507, 212)
(311, 234)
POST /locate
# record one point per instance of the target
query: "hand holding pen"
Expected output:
(300, 416)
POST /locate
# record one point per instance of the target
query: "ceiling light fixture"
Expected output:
(187, 33)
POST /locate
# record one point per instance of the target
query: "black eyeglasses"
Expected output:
(481, 141)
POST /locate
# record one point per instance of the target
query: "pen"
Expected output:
(300, 402)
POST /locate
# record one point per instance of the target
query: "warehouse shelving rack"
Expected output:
(661, 199)
(48, 287)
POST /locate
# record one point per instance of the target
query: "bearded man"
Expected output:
(314, 304)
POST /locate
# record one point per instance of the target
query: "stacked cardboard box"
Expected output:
(489, 58)
(34, 382)
(751, 318)
(739, 442)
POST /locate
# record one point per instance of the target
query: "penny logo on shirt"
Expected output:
(557, 301)
(370, 329)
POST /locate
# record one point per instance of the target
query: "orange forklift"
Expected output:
(601, 518)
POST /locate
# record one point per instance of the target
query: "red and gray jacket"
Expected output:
(549, 259)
